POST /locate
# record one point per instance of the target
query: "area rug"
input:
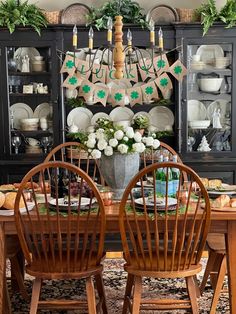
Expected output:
(115, 280)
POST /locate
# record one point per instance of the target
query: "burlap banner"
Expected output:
(86, 90)
(149, 91)
(164, 83)
(72, 81)
(99, 73)
(117, 97)
(178, 70)
(146, 69)
(135, 96)
(100, 94)
(161, 64)
(69, 65)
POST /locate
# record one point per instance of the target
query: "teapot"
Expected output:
(32, 141)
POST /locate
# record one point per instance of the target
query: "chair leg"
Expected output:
(35, 295)
(90, 296)
(128, 290)
(137, 294)
(101, 292)
(16, 271)
(219, 285)
(209, 267)
(192, 292)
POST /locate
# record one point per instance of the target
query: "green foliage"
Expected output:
(13, 14)
(141, 122)
(75, 102)
(130, 10)
(210, 14)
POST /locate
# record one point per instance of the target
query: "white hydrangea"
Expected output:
(102, 144)
(96, 154)
(137, 137)
(113, 142)
(119, 135)
(122, 148)
(142, 147)
(156, 144)
(108, 151)
(149, 141)
(125, 138)
(92, 136)
(144, 139)
(90, 129)
(91, 143)
(100, 134)
(129, 132)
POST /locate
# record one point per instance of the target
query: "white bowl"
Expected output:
(30, 120)
(210, 84)
(199, 124)
(38, 58)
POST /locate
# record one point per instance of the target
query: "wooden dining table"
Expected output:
(223, 222)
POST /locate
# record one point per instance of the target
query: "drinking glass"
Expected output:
(16, 142)
(46, 142)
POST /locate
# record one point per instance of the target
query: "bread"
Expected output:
(214, 183)
(205, 182)
(2, 199)
(233, 202)
(7, 187)
(221, 201)
(28, 185)
(10, 198)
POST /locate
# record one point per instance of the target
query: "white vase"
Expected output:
(118, 169)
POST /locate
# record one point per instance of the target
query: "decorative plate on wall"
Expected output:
(75, 14)
(162, 14)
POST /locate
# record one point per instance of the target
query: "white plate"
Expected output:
(10, 212)
(161, 117)
(121, 113)
(223, 105)
(81, 117)
(221, 192)
(208, 53)
(20, 111)
(160, 202)
(42, 110)
(99, 115)
(22, 52)
(61, 202)
(196, 110)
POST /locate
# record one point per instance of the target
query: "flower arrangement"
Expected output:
(106, 139)
(140, 122)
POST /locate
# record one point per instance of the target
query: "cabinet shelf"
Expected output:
(227, 72)
(38, 133)
(44, 73)
(29, 95)
(198, 95)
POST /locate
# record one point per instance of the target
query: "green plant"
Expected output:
(140, 122)
(75, 102)
(210, 14)
(130, 10)
(14, 13)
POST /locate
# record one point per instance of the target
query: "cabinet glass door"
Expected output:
(209, 98)
(29, 99)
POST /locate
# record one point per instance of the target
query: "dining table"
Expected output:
(223, 222)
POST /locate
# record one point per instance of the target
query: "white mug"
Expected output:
(32, 141)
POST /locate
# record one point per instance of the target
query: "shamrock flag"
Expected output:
(135, 96)
(99, 73)
(86, 90)
(117, 97)
(100, 94)
(164, 83)
(178, 70)
(72, 81)
(83, 69)
(131, 72)
(69, 65)
(161, 64)
(149, 91)
(146, 69)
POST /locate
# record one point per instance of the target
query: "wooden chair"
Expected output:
(216, 267)
(73, 152)
(62, 239)
(163, 237)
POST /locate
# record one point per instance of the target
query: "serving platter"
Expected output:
(75, 14)
(42, 110)
(160, 203)
(20, 111)
(196, 110)
(121, 113)
(208, 53)
(10, 212)
(81, 117)
(162, 14)
(63, 205)
(222, 104)
(161, 117)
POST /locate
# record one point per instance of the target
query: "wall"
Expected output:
(62, 4)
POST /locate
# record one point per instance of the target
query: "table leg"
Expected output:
(231, 262)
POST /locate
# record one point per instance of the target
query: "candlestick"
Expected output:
(160, 36)
(129, 40)
(152, 31)
(109, 30)
(90, 35)
(75, 38)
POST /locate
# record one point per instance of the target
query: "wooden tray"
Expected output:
(75, 14)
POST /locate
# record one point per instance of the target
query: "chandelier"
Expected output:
(119, 56)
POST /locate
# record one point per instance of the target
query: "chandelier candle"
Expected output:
(75, 37)
(152, 32)
(90, 35)
(109, 30)
(160, 37)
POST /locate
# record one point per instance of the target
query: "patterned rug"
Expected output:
(115, 280)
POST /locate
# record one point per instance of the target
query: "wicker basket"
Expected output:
(53, 17)
(188, 15)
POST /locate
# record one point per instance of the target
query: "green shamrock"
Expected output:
(70, 64)
(178, 69)
(134, 95)
(149, 90)
(101, 94)
(118, 96)
(164, 82)
(73, 80)
(161, 64)
(86, 89)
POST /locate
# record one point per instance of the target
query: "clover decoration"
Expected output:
(73, 80)
(118, 96)
(164, 82)
(101, 94)
(161, 64)
(149, 90)
(178, 70)
(86, 89)
(134, 95)
(70, 64)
